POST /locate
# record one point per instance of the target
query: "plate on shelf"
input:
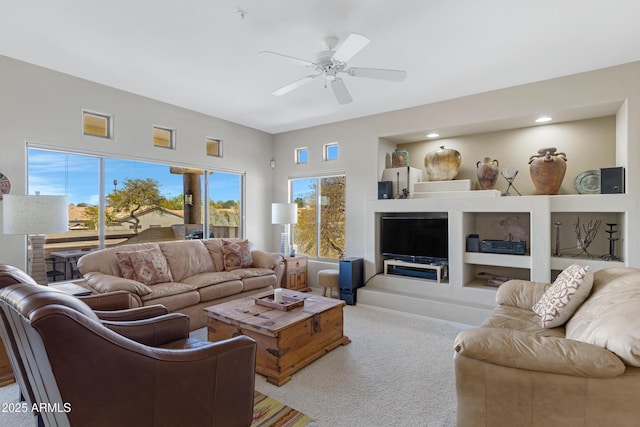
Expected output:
(588, 182)
(5, 185)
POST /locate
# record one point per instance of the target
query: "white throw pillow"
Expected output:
(570, 289)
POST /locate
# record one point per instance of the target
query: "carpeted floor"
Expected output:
(397, 371)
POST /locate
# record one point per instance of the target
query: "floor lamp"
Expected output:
(284, 214)
(35, 216)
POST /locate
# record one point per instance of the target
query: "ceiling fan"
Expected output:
(331, 62)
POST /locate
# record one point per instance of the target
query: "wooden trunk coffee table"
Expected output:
(287, 340)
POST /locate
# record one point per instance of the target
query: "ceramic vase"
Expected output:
(547, 170)
(442, 164)
(399, 158)
(487, 172)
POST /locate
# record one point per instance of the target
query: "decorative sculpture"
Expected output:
(590, 231)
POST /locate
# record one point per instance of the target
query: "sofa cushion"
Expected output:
(564, 296)
(148, 266)
(522, 350)
(206, 279)
(520, 319)
(221, 290)
(177, 301)
(236, 254)
(104, 283)
(257, 282)
(214, 246)
(609, 318)
(167, 289)
(187, 258)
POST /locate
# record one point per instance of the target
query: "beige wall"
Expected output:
(43, 107)
(588, 144)
(479, 120)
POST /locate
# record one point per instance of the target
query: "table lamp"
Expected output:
(35, 216)
(284, 214)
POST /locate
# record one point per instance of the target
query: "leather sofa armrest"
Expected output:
(137, 313)
(155, 331)
(103, 283)
(520, 293)
(117, 300)
(268, 260)
(524, 350)
(271, 260)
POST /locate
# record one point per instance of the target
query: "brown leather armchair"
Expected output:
(149, 372)
(113, 306)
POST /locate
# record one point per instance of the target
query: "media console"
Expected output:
(434, 271)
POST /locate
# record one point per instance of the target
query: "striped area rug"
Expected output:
(268, 412)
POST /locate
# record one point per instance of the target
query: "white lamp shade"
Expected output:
(34, 214)
(283, 213)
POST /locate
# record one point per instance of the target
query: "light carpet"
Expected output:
(397, 371)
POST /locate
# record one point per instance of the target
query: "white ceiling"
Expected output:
(203, 55)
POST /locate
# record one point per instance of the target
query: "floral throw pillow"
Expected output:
(236, 254)
(570, 289)
(148, 266)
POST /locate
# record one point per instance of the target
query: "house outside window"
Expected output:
(144, 202)
(320, 231)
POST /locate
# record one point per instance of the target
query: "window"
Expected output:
(96, 124)
(143, 202)
(214, 147)
(321, 202)
(331, 151)
(302, 155)
(163, 137)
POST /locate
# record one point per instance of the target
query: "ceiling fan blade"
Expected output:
(341, 92)
(294, 85)
(298, 61)
(377, 73)
(350, 47)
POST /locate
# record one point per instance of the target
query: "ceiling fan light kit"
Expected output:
(329, 63)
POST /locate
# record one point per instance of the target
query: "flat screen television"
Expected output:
(415, 238)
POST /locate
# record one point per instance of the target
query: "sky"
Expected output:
(77, 176)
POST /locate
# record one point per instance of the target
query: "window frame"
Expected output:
(319, 201)
(298, 155)
(209, 142)
(326, 149)
(103, 187)
(108, 123)
(172, 137)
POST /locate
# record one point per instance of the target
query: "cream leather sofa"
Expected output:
(195, 274)
(512, 372)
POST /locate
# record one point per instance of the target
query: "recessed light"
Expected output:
(433, 135)
(543, 119)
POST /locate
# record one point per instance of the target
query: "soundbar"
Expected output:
(503, 247)
(407, 271)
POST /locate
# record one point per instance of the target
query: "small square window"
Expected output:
(96, 124)
(214, 147)
(302, 155)
(331, 151)
(163, 137)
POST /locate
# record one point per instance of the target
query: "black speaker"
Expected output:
(385, 190)
(612, 180)
(473, 243)
(350, 278)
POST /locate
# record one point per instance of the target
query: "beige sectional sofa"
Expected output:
(183, 275)
(586, 372)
